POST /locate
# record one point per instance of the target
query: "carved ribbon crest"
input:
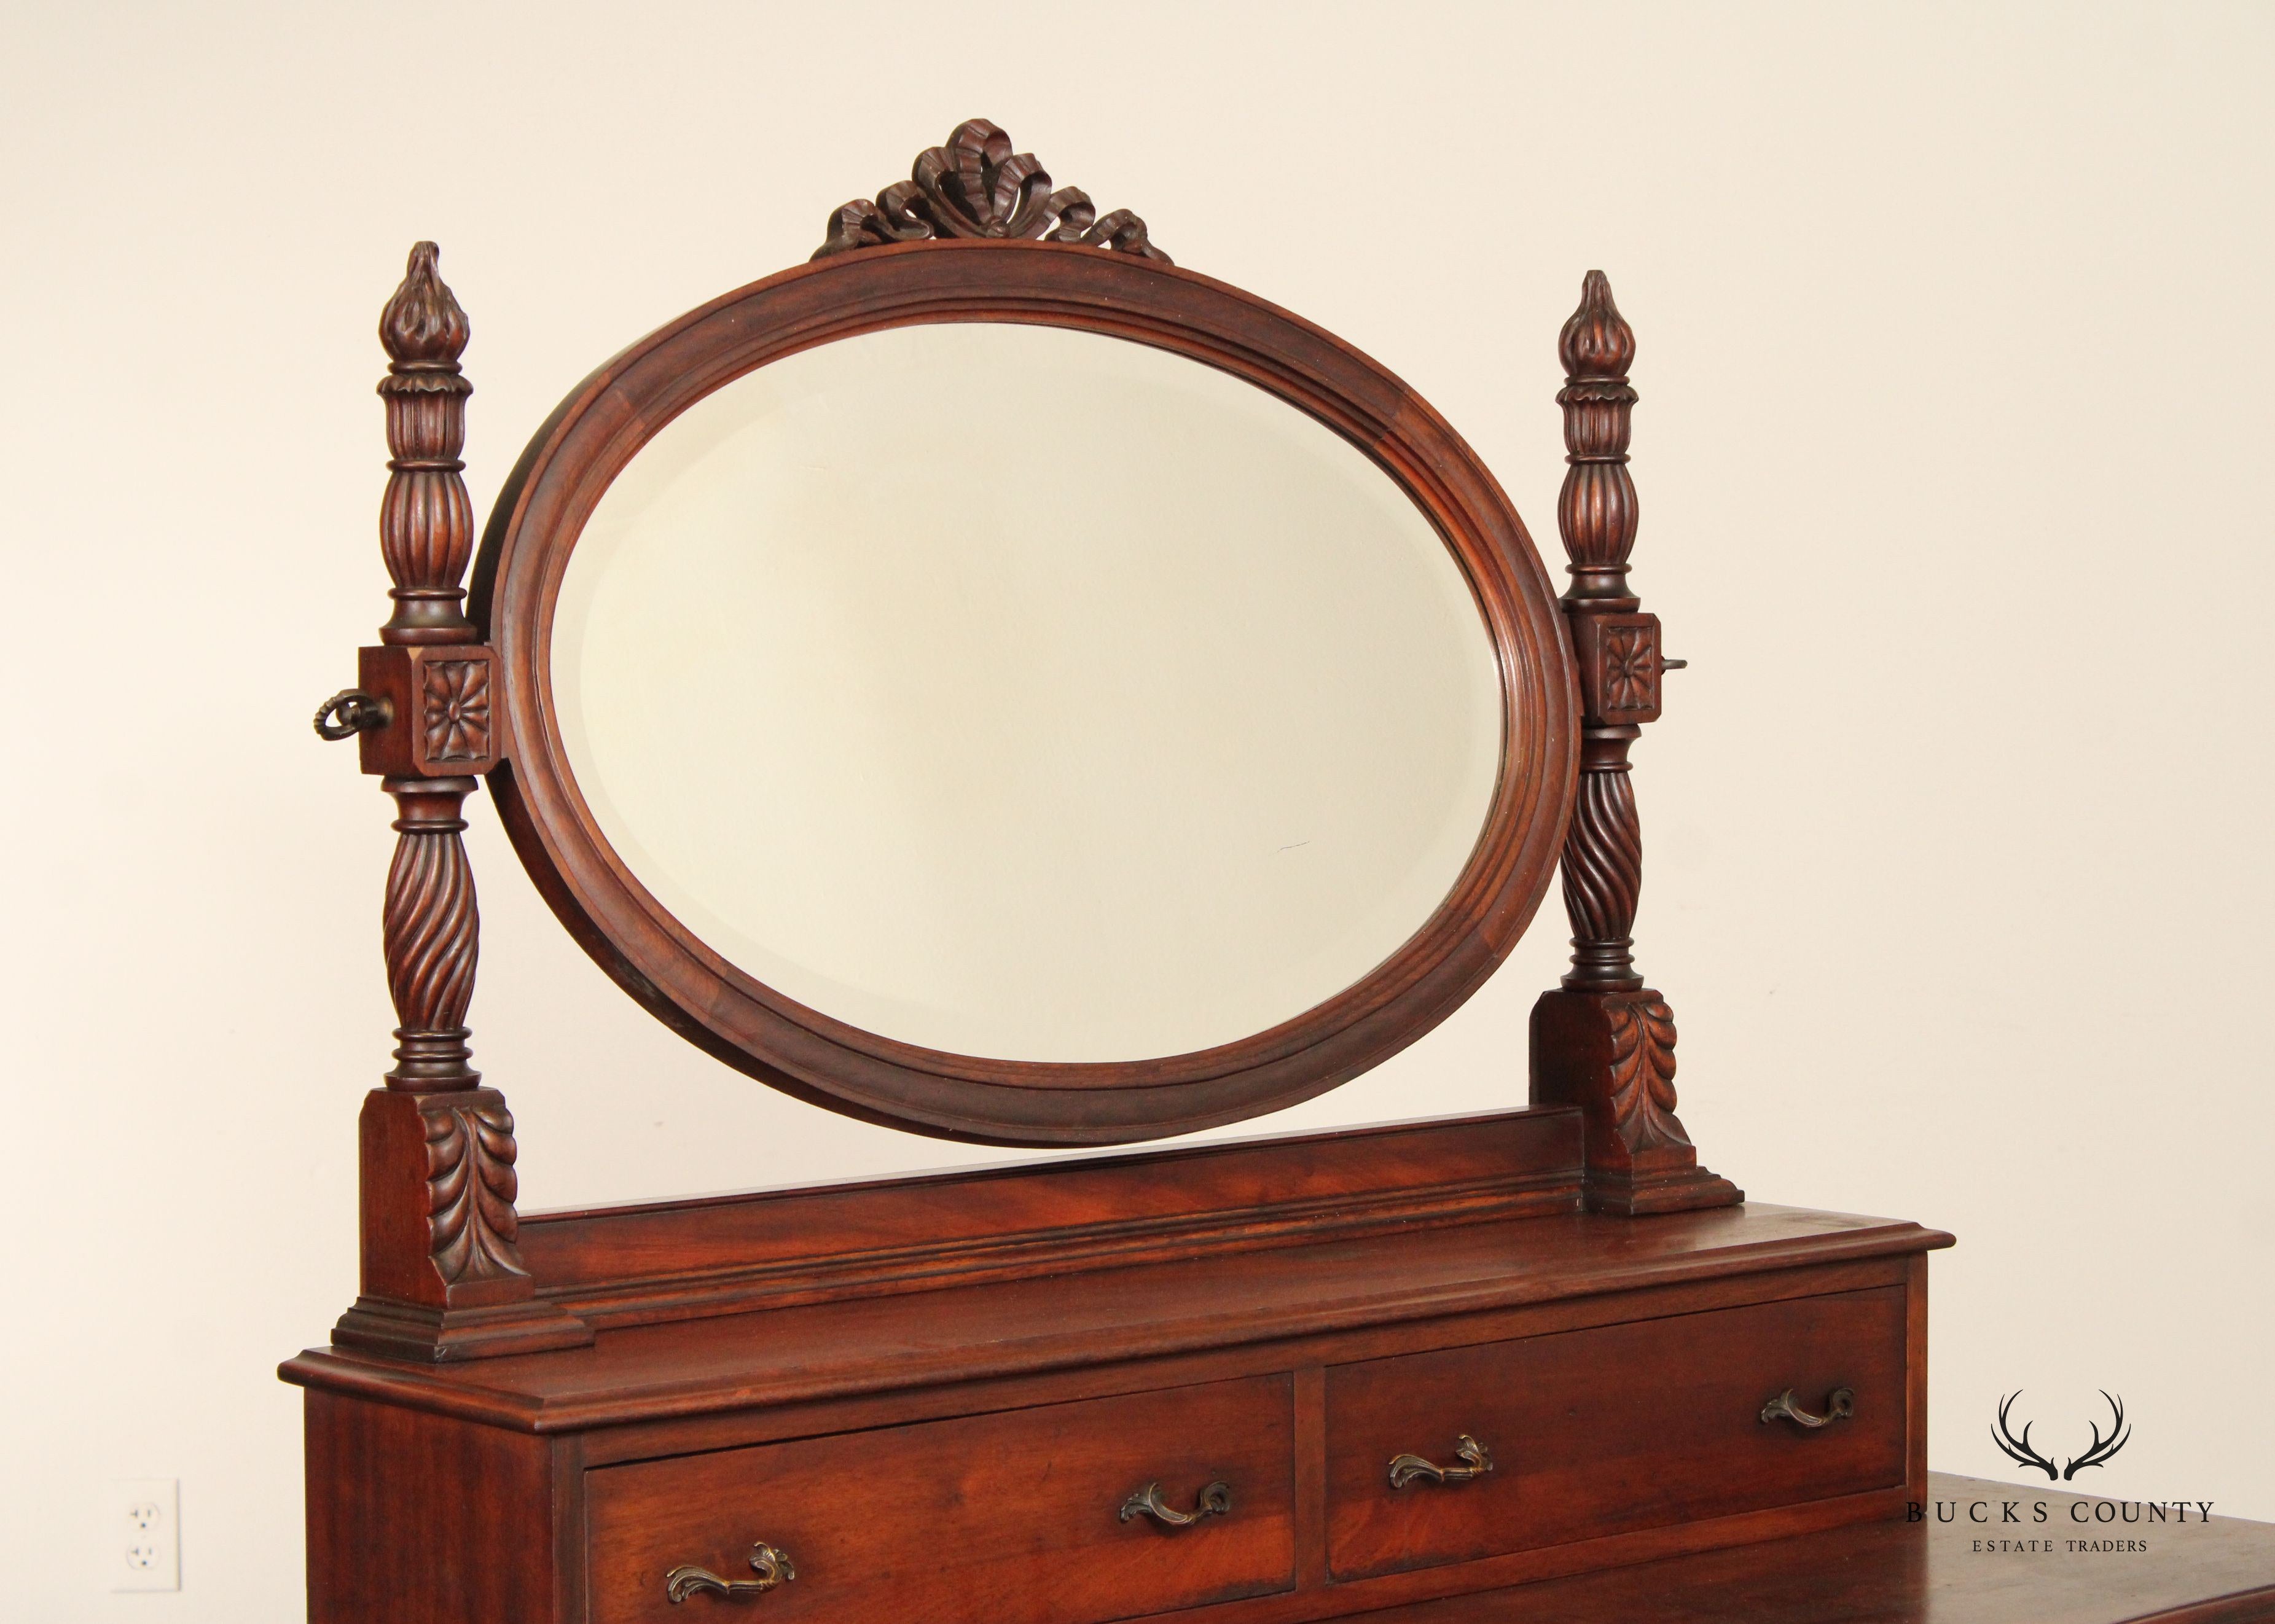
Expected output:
(973, 186)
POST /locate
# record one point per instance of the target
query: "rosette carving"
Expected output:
(455, 709)
(974, 185)
(1630, 681)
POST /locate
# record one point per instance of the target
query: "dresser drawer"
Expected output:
(1599, 1432)
(1012, 1518)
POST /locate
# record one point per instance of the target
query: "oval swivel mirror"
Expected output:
(1026, 693)
(1145, 715)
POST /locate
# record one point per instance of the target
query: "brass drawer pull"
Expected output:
(1411, 1468)
(1840, 1405)
(1215, 1501)
(772, 1564)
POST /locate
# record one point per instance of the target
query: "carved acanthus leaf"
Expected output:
(976, 186)
(472, 1229)
(1642, 1074)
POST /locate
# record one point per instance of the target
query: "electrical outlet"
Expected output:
(142, 1534)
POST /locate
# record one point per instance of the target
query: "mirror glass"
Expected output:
(1027, 693)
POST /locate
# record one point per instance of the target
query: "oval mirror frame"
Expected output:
(595, 432)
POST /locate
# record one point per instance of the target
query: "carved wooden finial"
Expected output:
(1596, 342)
(1596, 512)
(425, 521)
(424, 327)
(974, 185)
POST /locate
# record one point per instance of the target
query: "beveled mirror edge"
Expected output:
(942, 457)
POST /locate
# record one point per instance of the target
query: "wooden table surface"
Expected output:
(2220, 1572)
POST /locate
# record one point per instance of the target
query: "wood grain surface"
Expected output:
(1894, 1572)
(1577, 1453)
(1626, 1354)
(678, 1259)
(1353, 1295)
(1010, 1518)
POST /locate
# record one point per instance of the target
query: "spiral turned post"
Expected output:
(1604, 1041)
(431, 933)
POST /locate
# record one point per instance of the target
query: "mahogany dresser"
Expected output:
(1271, 1379)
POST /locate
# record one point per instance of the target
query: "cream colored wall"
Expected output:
(1953, 459)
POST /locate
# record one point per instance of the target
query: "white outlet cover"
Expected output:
(141, 1531)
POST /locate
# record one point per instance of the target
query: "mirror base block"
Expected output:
(426, 1335)
(442, 1274)
(1612, 1055)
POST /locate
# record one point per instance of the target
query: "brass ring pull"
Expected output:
(772, 1564)
(349, 712)
(1412, 1469)
(1214, 1501)
(1840, 1405)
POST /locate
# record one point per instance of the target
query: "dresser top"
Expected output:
(1346, 1288)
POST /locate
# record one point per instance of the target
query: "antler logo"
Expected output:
(2019, 1450)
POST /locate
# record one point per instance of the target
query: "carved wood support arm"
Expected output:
(442, 1275)
(1604, 1041)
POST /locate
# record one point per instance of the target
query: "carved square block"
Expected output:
(1620, 668)
(442, 716)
